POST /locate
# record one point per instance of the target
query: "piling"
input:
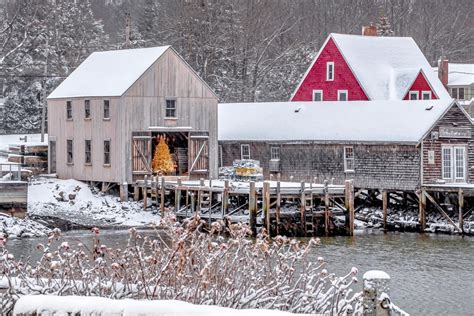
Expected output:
(375, 293)
(225, 198)
(422, 209)
(278, 204)
(123, 192)
(302, 209)
(145, 192)
(253, 208)
(461, 206)
(162, 196)
(385, 198)
(326, 208)
(177, 196)
(266, 205)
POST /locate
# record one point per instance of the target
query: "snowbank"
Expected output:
(75, 202)
(31, 304)
(13, 227)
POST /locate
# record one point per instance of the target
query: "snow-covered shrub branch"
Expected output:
(181, 262)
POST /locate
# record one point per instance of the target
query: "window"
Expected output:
(106, 152)
(275, 153)
(426, 95)
(454, 163)
(454, 93)
(461, 93)
(342, 95)
(87, 109)
(88, 151)
(170, 108)
(317, 95)
(244, 151)
(413, 95)
(70, 153)
(348, 158)
(106, 109)
(69, 110)
(330, 71)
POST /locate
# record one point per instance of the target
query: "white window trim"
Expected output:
(423, 93)
(318, 91)
(454, 177)
(412, 93)
(330, 63)
(345, 159)
(271, 153)
(339, 92)
(242, 151)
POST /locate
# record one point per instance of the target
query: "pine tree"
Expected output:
(162, 160)
(383, 27)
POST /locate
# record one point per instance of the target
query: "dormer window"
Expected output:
(413, 95)
(342, 95)
(330, 71)
(317, 95)
(426, 95)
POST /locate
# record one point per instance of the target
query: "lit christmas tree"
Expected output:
(162, 161)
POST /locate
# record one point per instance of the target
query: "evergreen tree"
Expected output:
(383, 26)
(162, 161)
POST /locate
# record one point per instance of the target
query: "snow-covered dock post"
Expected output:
(123, 192)
(302, 209)
(225, 198)
(422, 210)
(461, 206)
(266, 205)
(326, 208)
(162, 196)
(145, 191)
(375, 296)
(385, 198)
(253, 208)
(177, 195)
(278, 203)
(136, 192)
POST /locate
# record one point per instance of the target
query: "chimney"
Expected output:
(370, 30)
(443, 71)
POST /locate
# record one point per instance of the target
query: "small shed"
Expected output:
(392, 145)
(105, 118)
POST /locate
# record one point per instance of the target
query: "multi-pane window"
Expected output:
(106, 109)
(170, 108)
(413, 95)
(426, 95)
(330, 71)
(87, 109)
(244, 151)
(69, 110)
(457, 93)
(317, 95)
(342, 95)
(348, 158)
(275, 153)
(453, 163)
(106, 152)
(88, 151)
(70, 153)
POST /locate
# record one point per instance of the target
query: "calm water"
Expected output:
(431, 274)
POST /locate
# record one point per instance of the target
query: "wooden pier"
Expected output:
(13, 191)
(290, 208)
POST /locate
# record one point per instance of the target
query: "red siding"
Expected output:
(420, 84)
(344, 79)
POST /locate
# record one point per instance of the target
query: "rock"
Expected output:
(72, 196)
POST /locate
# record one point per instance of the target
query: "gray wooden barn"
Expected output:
(389, 145)
(104, 118)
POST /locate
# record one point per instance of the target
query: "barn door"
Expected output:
(198, 153)
(141, 153)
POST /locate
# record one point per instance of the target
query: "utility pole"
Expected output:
(43, 108)
(127, 30)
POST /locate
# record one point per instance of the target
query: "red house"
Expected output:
(357, 67)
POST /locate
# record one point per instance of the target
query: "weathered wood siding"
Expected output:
(454, 118)
(141, 107)
(377, 166)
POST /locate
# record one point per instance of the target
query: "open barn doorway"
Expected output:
(189, 151)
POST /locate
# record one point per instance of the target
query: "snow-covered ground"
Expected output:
(75, 202)
(12, 227)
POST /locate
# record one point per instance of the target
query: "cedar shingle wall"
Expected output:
(393, 167)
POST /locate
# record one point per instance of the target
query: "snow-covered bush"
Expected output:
(183, 262)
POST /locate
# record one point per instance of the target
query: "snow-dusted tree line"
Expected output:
(247, 50)
(181, 262)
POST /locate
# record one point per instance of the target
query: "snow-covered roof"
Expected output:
(386, 67)
(459, 74)
(359, 121)
(108, 73)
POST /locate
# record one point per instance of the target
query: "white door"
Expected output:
(454, 163)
